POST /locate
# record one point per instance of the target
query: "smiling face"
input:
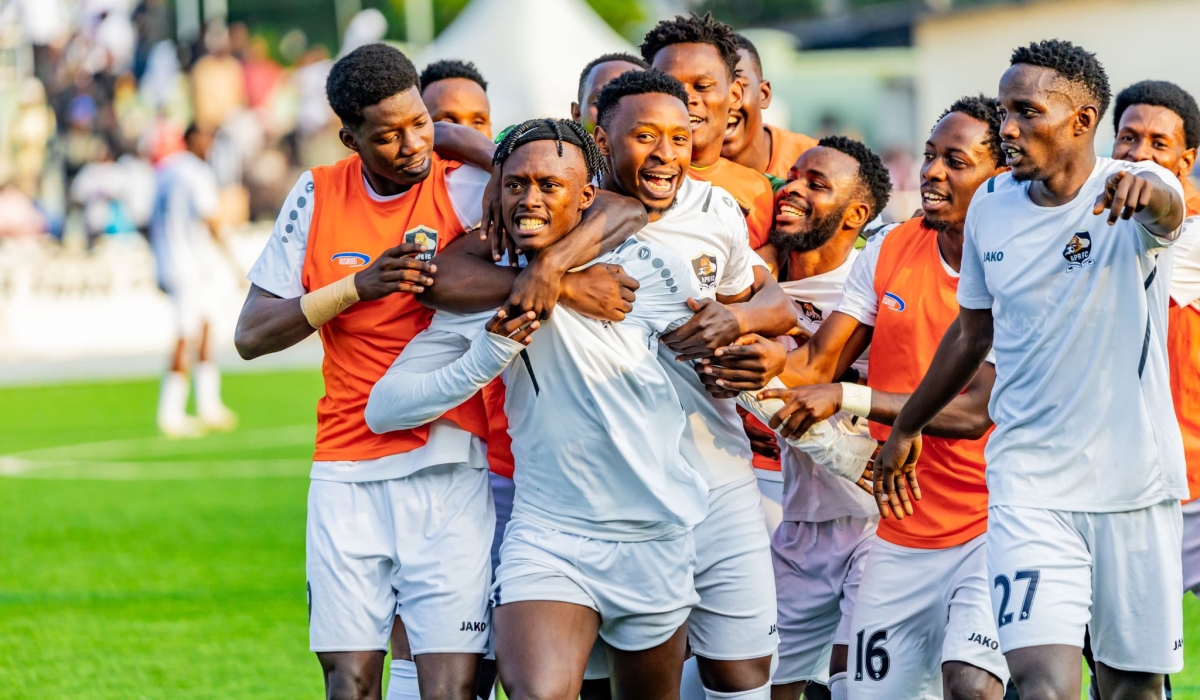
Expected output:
(648, 144)
(1043, 124)
(601, 74)
(543, 196)
(712, 93)
(813, 207)
(1150, 132)
(957, 161)
(395, 139)
(459, 101)
(745, 122)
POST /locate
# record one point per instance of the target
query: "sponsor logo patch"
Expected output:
(893, 301)
(811, 311)
(1079, 251)
(351, 259)
(705, 267)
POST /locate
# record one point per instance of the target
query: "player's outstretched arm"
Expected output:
(464, 144)
(440, 369)
(763, 308)
(1156, 206)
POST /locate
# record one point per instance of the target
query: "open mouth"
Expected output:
(659, 183)
(734, 125)
(931, 199)
(695, 120)
(529, 224)
(789, 211)
(416, 166)
(1011, 153)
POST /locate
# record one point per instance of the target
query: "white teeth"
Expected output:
(695, 120)
(931, 197)
(530, 224)
(789, 210)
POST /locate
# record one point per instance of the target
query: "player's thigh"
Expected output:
(352, 675)
(1137, 613)
(735, 619)
(649, 674)
(972, 664)
(444, 521)
(1046, 672)
(544, 647)
(811, 563)
(447, 676)
(1116, 684)
(349, 560)
(898, 626)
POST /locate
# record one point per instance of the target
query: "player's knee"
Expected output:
(449, 689)
(540, 687)
(971, 683)
(1043, 687)
(351, 683)
(734, 676)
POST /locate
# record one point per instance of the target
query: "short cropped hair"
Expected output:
(1160, 93)
(636, 83)
(873, 175)
(367, 76)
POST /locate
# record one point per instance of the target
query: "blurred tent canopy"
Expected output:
(530, 52)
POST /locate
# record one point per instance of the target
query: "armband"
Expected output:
(321, 305)
(856, 399)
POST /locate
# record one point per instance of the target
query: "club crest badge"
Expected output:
(425, 236)
(811, 311)
(705, 267)
(1078, 251)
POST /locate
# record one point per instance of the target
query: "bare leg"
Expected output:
(788, 691)
(734, 676)
(596, 689)
(1047, 672)
(447, 676)
(543, 647)
(352, 675)
(650, 674)
(962, 681)
(1128, 685)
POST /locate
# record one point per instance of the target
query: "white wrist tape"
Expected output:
(321, 305)
(856, 399)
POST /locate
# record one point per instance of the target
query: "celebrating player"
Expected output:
(748, 141)
(592, 79)
(454, 91)
(1085, 468)
(185, 238)
(644, 132)
(701, 54)
(600, 539)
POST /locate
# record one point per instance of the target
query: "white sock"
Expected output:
(402, 683)
(837, 687)
(763, 693)
(208, 388)
(690, 688)
(172, 399)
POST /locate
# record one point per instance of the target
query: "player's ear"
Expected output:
(575, 113)
(1186, 161)
(737, 92)
(1086, 118)
(601, 138)
(857, 215)
(349, 139)
(764, 94)
(587, 196)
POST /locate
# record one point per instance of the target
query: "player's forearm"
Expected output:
(1165, 212)
(269, 324)
(959, 356)
(961, 420)
(610, 221)
(406, 398)
(768, 311)
(835, 346)
(466, 283)
(464, 144)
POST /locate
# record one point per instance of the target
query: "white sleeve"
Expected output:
(1148, 239)
(278, 268)
(437, 371)
(466, 185)
(859, 299)
(738, 275)
(972, 287)
(666, 285)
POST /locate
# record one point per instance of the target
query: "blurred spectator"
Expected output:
(18, 217)
(32, 127)
(263, 75)
(218, 86)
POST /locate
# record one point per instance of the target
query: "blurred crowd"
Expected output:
(95, 93)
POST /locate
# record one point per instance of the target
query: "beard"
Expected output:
(817, 234)
(940, 225)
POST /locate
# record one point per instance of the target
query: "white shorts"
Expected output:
(818, 568)
(503, 490)
(736, 616)
(193, 302)
(917, 609)
(416, 546)
(1191, 546)
(770, 485)
(643, 590)
(1057, 574)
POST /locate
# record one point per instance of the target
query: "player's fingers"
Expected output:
(782, 415)
(1118, 200)
(523, 335)
(1145, 193)
(877, 489)
(404, 249)
(1106, 196)
(680, 333)
(628, 295)
(409, 276)
(913, 486)
(408, 288)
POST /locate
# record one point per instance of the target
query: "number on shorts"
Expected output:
(877, 662)
(1031, 575)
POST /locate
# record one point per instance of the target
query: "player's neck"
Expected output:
(1062, 186)
(383, 186)
(757, 154)
(707, 156)
(827, 258)
(950, 245)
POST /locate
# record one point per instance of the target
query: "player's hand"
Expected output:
(762, 441)
(747, 365)
(395, 270)
(536, 289)
(714, 325)
(1125, 194)
(866, 482)
(770, 255)
(492, 227)
(894, 475)
(601, 291)
(518, 328)
(803, 407)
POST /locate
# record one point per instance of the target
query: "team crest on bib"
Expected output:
(811, 311)
(1079, 251)
(424, 236)
(705, 267)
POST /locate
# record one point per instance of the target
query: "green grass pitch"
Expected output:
(137, 567)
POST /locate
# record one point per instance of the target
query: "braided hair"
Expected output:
(558, 130)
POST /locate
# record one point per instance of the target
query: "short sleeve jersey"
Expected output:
(185, 196)
(750, 189)
(705, 228)
(786, 148)
(1183, 336)
(1082, 402)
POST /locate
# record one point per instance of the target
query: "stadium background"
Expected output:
(135, 566)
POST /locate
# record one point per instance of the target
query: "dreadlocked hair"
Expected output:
(873, 175)
(636, 83)
(693, 30)
(620, 57)
(367, 76)
(984, 109)
(748, 46)
(450, 68)
(1160, 93)
(558, 130)
(1071, 62)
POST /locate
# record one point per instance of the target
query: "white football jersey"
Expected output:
(595, 421)
(811, 493)
(1185, 272)
(1082, 401)
(706, 228)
